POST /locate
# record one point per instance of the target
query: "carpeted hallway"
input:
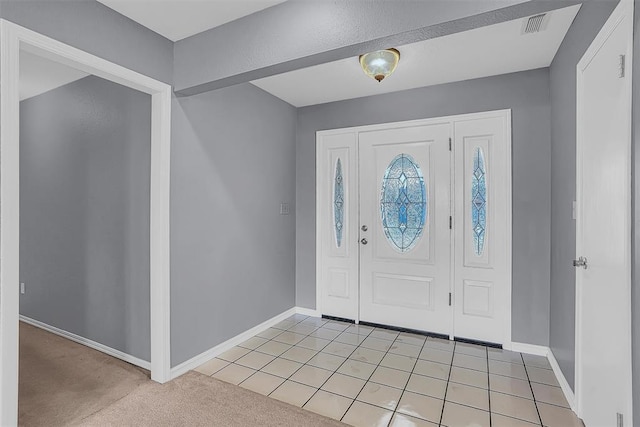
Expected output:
(63, 383)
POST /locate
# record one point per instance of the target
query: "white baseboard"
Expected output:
(307, 311)
(207, 355)
(89, 343)
(538, 350)
(564, 384)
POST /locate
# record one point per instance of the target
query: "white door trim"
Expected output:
(624, 8)
(13, 38)
(430, 121)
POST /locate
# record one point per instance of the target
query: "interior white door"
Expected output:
(482, 263)
(338, 222)
(603, 229)
(404, 227)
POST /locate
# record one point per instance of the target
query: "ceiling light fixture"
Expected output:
(380, 64)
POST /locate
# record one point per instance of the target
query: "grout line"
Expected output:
(535, 402)
(444, 399)
(489, 390)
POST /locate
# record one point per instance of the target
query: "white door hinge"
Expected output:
(621, 65)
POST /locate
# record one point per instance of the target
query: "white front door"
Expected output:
(404, 227)
(603, 228)
(482, 265)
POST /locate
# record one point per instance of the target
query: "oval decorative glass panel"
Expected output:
(479, 201)
(338, 203)
(403, 203)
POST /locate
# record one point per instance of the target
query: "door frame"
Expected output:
(13, 38)
(505, 113)
(624, 9)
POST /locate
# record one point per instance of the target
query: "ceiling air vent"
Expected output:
(535, 24)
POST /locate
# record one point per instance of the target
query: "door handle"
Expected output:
(364, 241)
(364, 228)
(580, 262)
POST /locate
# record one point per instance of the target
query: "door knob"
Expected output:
(580, 262)
(364, 241)
(364, 228)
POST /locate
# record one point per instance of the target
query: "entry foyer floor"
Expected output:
(368, 376)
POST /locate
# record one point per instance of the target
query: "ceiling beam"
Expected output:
(303, 33)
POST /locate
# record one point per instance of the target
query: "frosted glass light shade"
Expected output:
(380, 64)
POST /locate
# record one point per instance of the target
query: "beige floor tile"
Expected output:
(440, 344)
(298, 354)
(290, 338)
(470, 362)
(328, 404)
(255, 360)
(270, 333)
(515, 407)
(455, 415)
(384, 334)
(403, 349)
(349, 338)
(471, 349)
(327, 334)
(504, 355)
(413, 339)
(426, 385)
(326, 361)
(468, 395)
(498, 420)
(364, 415)
(401, 420)
(303, 329)
(274, 348)
(536, 361)
(508, 385)
(339, 349)
(391, 377)
(357, 369)
(549, 394)
(359, 329)
(285, 324)
(420, 406)
(297, 317)
(432, 369)
(253, 342)
(211, 367)
(344, 385)
(507, 369)
(542, 376)
(262, 383)
(376, 344)
(380, 395)
(293, 393)
(234, 374)
(555, 416)
(282, 367)
(367, 355)
(311, 376)
(436, 355)
(233, 354)
(397, 361)
(314, 321)
(336, 326)
(313, 343)
(469, 377)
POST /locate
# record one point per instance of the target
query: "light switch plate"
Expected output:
(574, 215)
(284, 208)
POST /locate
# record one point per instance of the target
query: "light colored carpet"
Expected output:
(197, 400)
(63, 383)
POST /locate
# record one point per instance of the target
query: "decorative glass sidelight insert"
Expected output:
(403, 203)
(338, 203)
(479, 201)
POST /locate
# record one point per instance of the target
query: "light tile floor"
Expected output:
(368, 376)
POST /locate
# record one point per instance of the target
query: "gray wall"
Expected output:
(232, 253)
(590, 19)
(84, 204)
(527, 94)
(97, 29)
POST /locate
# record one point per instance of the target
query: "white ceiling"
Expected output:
(177, 19)
(487, 51)
(39, 75)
